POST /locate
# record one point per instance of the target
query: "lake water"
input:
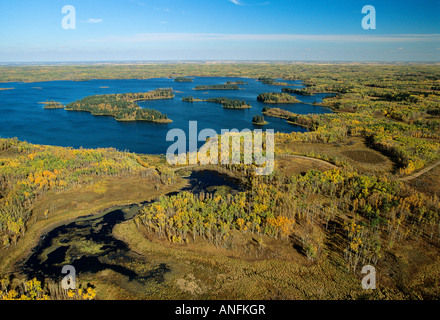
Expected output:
(22, 115)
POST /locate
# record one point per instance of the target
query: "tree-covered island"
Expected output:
(123, 107)
(277, 97)
(183, 79)
(218, 87)
(225, 102)
(236, 82)
(259, 120)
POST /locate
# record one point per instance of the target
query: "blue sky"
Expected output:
(219, 30)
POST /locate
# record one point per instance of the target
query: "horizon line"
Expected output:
(287, 61)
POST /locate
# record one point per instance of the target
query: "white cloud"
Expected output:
(247, 3)
(91, 20)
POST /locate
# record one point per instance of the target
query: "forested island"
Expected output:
(218, 87)
(183, 79)
(259, 120)
(236, 82)
(277, 97)
(225, 102)
(123, 107)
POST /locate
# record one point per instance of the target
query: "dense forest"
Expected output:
(123, 106)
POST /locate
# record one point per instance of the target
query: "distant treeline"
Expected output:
(123, 106)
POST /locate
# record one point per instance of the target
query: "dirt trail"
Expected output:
(419, 173)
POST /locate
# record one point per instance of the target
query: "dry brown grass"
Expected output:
(291, 165)
(354, 152)
(365, 156)
(428, 182)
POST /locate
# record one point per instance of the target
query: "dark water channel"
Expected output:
(89, 246)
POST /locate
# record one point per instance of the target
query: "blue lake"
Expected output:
(22, 115)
